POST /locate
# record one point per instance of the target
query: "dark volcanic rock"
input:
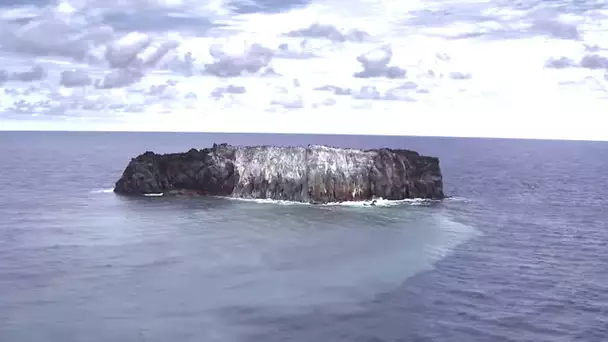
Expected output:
(315, 174)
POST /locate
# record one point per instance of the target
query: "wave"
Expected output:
(103, 191)
(111, 191)
(379, 202)
(154, 195)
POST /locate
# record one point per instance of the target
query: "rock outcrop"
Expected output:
(314, 174)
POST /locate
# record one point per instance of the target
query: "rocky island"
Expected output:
(312, 174)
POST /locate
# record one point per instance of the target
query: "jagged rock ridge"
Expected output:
(314, 174)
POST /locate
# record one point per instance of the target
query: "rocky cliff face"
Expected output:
(315, 174)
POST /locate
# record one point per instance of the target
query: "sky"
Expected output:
(506, 69)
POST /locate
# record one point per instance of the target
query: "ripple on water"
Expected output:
(205, 258)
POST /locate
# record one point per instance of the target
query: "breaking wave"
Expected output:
(103, 191)
(379, 202)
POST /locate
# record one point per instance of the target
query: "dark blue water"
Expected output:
(519, 255)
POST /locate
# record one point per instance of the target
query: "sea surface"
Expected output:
(518, 254)
(489, 68)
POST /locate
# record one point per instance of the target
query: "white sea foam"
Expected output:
(160, 194)
(111, 190)
(458, 199)
(103, 191)
(264, 201)
(367, 66)
(378, 202)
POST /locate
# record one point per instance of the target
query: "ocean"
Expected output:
(517, 254)
(500, 68)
